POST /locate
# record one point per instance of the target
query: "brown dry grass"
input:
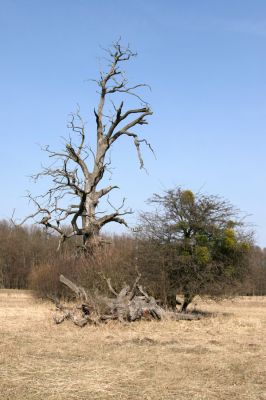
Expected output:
(222, 357)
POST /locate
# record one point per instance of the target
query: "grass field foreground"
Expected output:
(219, 357)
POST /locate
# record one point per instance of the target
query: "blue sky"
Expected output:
(206, 64)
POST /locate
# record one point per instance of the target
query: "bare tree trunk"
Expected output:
(187, 300)
(1, 277)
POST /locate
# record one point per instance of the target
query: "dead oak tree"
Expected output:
(78, 170)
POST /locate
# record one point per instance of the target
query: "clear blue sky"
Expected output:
(205, 61)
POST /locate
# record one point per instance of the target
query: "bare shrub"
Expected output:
(44, 278)
(115, 260)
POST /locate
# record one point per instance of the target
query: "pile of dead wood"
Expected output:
(127, 305)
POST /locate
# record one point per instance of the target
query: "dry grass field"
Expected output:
(221, 357)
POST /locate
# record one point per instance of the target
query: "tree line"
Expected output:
(29, 260)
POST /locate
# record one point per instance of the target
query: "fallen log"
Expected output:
(128, 305)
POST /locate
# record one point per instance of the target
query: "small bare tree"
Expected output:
(199, 244)
(78, 170)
